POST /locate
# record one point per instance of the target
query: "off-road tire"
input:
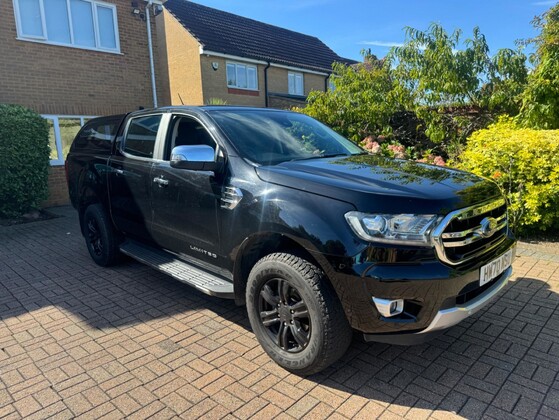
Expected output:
(329, 333)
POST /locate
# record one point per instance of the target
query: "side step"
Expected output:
(174, 267)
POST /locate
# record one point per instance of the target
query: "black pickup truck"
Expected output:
(277, 211)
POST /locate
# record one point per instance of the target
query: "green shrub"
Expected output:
(525, 163)
(24, 160)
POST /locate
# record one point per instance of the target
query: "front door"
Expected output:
(130, 182)
(186, 202)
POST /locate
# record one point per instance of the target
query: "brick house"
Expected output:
(70, 60)
(214, 54)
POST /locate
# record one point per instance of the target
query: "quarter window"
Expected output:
(97, 135)
(141, 135)
(295, 83)
(242, 76)
(81, 23)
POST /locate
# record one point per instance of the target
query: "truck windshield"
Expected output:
(271, 137)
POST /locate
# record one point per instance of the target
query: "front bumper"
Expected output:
(437, 296)
(445, 318)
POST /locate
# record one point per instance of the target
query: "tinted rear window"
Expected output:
(98, 134)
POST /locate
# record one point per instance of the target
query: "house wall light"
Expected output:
(215, 65)
(136, 11)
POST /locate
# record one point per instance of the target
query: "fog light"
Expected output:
(389, 307)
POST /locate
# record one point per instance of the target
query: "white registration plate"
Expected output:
(489, 271)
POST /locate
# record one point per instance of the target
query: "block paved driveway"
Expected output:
(77, 340)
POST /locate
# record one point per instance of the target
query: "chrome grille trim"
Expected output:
(444, 240)
(474, 211)
(456, 235)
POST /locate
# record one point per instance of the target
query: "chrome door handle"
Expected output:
(162, 182)
(119, 171)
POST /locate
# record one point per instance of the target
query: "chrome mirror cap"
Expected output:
(195, 153)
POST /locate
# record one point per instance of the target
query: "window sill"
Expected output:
(77, 47)
(248, 92)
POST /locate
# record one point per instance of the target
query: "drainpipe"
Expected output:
(266, 84)
(326, 83)
(150, 48)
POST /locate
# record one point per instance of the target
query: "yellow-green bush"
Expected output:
(525, 163)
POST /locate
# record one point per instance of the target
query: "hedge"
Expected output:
(24, 160)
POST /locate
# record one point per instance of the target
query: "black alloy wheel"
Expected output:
(296, 314)
(285, 315)
(94, 237)
(100, 236)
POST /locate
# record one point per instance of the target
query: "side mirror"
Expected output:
(196, 158)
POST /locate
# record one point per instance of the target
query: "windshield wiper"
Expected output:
(321, 156)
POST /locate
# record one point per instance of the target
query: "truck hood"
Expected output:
(374, 183)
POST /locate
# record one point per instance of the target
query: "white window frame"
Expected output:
(44, 39)
(247, 66)
(295, 74)
(58, 140)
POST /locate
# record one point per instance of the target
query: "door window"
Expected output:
(141, 135)
(187, 131)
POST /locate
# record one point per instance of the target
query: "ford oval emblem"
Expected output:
(488, 227)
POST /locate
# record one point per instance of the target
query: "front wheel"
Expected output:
(100, 236)
(295, 314)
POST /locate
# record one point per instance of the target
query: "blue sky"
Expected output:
(348, 26)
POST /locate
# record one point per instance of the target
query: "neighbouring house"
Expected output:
(71, 60)
(212, 54)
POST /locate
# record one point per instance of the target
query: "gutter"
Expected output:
(150, 48)
(266, 84)
(253, 61)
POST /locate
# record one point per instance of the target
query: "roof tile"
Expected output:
(226, 33)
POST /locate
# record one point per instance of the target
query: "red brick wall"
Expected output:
(61, 80)
(58, 188)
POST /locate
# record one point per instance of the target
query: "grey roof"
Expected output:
(226, 33)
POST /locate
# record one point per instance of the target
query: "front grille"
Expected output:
(468, 233)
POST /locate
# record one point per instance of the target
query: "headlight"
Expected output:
(400, 229)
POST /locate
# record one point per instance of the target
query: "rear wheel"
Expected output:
(295, 314)
(100, 236)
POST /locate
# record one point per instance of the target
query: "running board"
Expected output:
(178, 269)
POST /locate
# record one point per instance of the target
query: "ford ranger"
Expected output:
(316, 237)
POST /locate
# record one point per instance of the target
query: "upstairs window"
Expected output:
(242, 76)
(79, 23)
(295, 83)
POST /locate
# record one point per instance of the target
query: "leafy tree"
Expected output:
(540, 106)
(361, 102)
(455, 87)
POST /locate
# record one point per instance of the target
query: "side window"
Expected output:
(141, 135)
(186, 131)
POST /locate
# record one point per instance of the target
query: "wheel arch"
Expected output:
(261, 244)
(88, 197)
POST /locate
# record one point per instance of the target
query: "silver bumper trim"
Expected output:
(448, 317)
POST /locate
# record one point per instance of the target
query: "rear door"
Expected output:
(129, 179)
